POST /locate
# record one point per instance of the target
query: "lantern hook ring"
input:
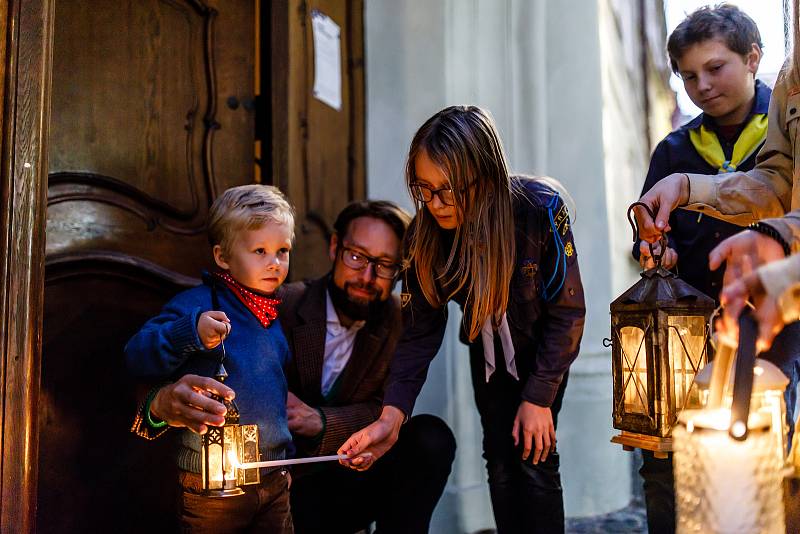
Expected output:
(607, 342)
(662, 241)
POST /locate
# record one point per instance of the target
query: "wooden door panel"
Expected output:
(318, 151)
(85, 225)
(94, 475)
(129, 94)
(142, 140)
(234, 68)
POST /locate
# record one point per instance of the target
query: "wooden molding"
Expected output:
(27, 67)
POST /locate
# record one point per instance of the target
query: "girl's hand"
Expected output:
(213, 327)
(373, 441)
(538, 432)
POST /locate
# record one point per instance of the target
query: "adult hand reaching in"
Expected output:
(767, 313)
(742, 254)
(188, 403)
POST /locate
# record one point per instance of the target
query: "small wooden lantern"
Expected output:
(659, 340)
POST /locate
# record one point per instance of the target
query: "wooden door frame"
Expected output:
(26, 46)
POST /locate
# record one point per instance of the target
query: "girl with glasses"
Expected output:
(500, 246)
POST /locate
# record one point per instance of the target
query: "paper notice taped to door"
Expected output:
(327, 60)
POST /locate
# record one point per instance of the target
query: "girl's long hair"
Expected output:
(463, 142)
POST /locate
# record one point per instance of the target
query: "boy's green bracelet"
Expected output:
(150, 421)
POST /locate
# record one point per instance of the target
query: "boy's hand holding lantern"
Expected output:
(213, 327)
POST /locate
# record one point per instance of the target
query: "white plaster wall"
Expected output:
(536, 64)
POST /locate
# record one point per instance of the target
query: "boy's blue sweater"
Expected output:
(168, 347)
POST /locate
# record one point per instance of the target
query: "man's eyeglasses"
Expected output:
(424, 193)
(358, 261)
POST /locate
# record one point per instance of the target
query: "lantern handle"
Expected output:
(662, 241)
(743, 375)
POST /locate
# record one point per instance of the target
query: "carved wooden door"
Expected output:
(141, 141)
(319, 155)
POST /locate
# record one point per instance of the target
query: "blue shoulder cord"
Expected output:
(559, 254)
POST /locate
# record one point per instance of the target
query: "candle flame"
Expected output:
(233, 459)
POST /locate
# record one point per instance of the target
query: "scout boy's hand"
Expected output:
(663, 198)
(303, 419)
(668, 260)
(213, 327)
(187, 403)
(538, 431)
(373, 441)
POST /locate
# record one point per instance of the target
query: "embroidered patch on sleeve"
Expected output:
(529, 269)
(562, 220)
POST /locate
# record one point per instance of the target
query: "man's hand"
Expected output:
(663, 198)
(213, 327)
(187, 403)
(766, 313)
(536, 425)
(303, 419)
(668, 260)
(373, 441)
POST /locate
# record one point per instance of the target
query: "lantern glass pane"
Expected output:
(231, 460)
(687, 341)
(215, 466)
(634, 369)
(249, 453)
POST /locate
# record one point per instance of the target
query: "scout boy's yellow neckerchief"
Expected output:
(707, 144)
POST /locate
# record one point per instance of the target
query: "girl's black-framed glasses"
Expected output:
(424, 193)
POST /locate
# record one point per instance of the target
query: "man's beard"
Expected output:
(356, 310)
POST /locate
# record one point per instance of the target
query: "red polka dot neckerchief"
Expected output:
(264, 308)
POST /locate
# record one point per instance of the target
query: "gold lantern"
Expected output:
(730, 455)
(225, 448)
(660, 341)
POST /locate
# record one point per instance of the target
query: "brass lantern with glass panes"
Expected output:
(225, 448)
(659, 340)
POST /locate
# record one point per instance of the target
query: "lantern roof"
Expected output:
(766, 376)
(659, 288)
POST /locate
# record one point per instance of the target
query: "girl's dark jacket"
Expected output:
(545, 311)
